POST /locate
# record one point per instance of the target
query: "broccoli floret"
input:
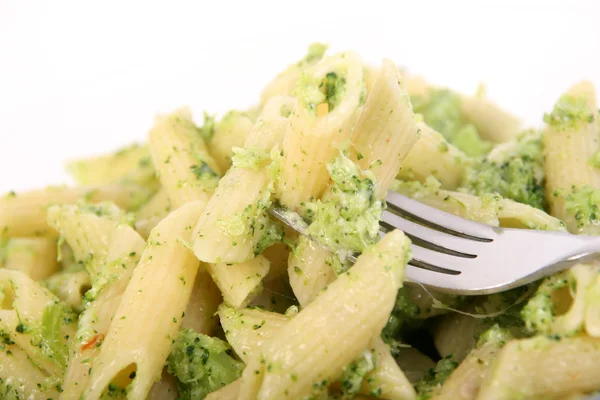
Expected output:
(348, 219)
(355, 373)
(583, 203)
(201, 364)
(435, 377)
(441, 110)
(516, 174)
(570, 112)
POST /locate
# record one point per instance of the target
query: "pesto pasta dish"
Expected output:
(161, 274)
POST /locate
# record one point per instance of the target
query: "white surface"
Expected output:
(81, 77)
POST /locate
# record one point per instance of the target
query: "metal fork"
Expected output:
(455, 255)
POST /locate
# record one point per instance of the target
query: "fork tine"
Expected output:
(442, 261)
(437, 219)
(432, 239)
(434, 280)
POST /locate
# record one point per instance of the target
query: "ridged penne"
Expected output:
(234, 222)
(87, 229)
(70, 287)
(131, 164)
(22, 379)
(338, 325)
(249, 328)
(284, 84)
(166, 267)
(543, 368)
(465, 381)
(432, 155)
(124, 250)
(36, 321)
(310, 270)
(386, 129)
(329, 95)
(239, 283)
(24, 214)
(232, 131)
(492, 122)
(185, 168)
(570, 142)
(200, 313)
(36, 257)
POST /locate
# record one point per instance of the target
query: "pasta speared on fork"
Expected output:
(164, 275)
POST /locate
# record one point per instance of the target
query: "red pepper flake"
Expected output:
(95, 341)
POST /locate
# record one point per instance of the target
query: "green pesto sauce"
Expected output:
(570, 112)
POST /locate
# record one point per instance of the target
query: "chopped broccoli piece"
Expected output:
(435, 377)
(348, 219)
(442, 110)
(313, 91)
(201, 364)
(495, 335)
(333, 87)
(539, 312)
(516, 175)
(583, 203)
(570, 112)
(249, 158)
(355, 373)
(207, 131)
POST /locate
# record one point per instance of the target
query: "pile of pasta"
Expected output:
(161, 275)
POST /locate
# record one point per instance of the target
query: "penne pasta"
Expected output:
(238, 229)
(36, 257)
(528, 368)
(319, 124)
(289, 363)
(168, 267)
(200, 313)
(239, 283)
(131, 164)
(432, 155)
(570, 142)
(186, 170)
(386, 129)
(24, 214)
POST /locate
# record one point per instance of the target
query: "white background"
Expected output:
(79, 78)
